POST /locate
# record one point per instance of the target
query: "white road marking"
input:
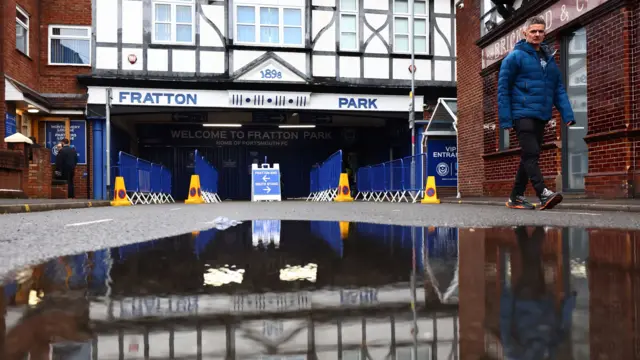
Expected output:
(174, 209)
(89, 222)
(574, 213)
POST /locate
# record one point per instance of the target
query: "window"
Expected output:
(575, 149)
(489, 17)
(269, 25)
(69, 45)
(173, 22)
(349, 25)
(22, 31)
(401, 27)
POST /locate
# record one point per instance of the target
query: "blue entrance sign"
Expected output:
(265, 183)
(10, 124)
(55, 132)
(442, 161)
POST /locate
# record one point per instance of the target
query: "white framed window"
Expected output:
(349, 25)
(174, 22)
(22, 31)
(269, 25)
(401, 26)
(69, 45)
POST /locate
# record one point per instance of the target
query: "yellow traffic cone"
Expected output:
(344, 229)
(120, 193)
(195, 193)
(430, 192)
(344, 191)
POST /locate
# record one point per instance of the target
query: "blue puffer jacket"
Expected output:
(527, 90)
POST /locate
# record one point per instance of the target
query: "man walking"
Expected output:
(66, 162)
(529, 85)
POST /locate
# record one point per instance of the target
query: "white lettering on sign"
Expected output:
(271, 302)
(450, 152)
(360, 297)
(155, 306)
(556, 16)
(252, 138)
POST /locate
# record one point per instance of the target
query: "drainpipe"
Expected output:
(455, 127)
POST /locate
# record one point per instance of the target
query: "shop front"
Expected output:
(595, 42)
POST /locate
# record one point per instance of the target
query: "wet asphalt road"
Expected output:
(35, 237)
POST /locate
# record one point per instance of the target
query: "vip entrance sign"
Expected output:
(265, 183)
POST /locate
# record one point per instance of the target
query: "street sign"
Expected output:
(265, 183)
(412, 68)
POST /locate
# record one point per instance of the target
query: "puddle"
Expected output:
(334, 290)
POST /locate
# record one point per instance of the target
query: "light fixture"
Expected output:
(33, 110)
(296, 126)
(221, 125)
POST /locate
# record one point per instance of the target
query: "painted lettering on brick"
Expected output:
(556, 16)
(357, 103)
(156, 98)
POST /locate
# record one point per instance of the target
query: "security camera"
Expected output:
(426, 107)
(460, 4)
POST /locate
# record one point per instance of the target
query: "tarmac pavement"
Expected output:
(28, 238)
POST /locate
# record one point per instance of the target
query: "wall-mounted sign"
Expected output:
(252, 99)
(556, 16)
(271, 71)
(55, 132)
(10, 124)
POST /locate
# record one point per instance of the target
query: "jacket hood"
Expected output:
(525, 46)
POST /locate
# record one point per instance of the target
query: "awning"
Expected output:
(444, 119)
(25, 97)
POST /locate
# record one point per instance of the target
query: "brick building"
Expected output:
(45, 44)
(598, 45)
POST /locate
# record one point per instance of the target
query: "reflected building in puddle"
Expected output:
(333, 290)
(527, 293)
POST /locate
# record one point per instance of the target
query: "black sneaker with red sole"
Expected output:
(520, 202)
(549, 199)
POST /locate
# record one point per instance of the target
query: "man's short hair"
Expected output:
(65, 141)
(536, 20)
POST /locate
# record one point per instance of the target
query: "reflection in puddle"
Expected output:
(275, 289)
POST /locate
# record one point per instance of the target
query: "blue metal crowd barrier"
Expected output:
(145, 182)
(208, 179)
(329, 231)
(397, 180)
(325, 179)
(436, 251)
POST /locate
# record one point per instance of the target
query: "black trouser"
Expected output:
(530, 134)
(67, 174)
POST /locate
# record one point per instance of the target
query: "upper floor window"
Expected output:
(22, 31)
(401, 26)
(489, 17)
(173, 22)
(69, 45)
(349, 25)
(269, 25)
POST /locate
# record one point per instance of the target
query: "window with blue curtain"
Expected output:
(173, 21)
(292, 19)
(70, 45)
(246, 22)
(269, 25)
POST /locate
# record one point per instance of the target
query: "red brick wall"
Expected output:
(17, 65)
(61, 79)
(39, 179)
(470, 118)
(610, 41)
(11, 169)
